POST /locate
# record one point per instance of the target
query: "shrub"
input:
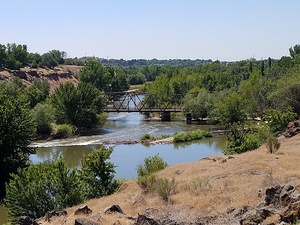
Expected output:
(63, 130)
(272, 144)
(240, 140)
(190, 136)
(151, 165)
(278, 120)
(147, 137)
(43, 187)
(200, 184)
(165, 188)
(147, 183)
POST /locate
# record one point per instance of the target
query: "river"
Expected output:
(126, 158)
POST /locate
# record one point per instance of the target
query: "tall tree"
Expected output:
(95, 74)
(17, 130)
(79, 105)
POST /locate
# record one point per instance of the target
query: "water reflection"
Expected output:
(128, 157)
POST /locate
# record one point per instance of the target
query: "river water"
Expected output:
(126, 158)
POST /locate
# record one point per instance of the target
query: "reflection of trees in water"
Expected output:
(216, 143)
(72, 155)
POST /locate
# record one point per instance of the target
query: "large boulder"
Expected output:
(83, 210)
(84, 221)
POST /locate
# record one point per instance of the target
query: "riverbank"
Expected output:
(206, 190)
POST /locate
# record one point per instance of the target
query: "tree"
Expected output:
(43, 187)
(294, 51)
(98, 174)
(43, 115)
(79, 105)
(231, 110)
(255, 91)
(95, 74)
(199, 106)
(17, 130)
(3, 55)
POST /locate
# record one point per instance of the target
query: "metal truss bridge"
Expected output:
(133, 101)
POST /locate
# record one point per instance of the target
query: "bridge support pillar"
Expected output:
(165, 116)
(188, 118)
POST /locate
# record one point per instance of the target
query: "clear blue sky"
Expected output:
(163, 29)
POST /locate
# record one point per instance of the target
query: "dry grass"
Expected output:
(206, 187)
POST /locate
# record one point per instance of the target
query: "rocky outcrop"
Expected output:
(292, 129)
(53, 214)
(84, 221)
(26, 220)
(83, 210)
(55, 76)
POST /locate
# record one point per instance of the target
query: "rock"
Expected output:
(256, 216)
(84, 221)
(145, 220)
(113, 209)
(83, 210)
(26, 220)
(292, 213)
(54, 213)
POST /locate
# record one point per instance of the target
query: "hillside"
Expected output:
(205, 190)
(55, 76)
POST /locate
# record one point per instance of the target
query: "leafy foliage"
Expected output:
(146, 137)
(17, 130)
(278, 120)
(190, 136)
(200, 106)
(151, 165)
(231, 110)
(43, 115)
(105, 79)
(78, 106)
(43, 187)
(98, 174)
(240, 140)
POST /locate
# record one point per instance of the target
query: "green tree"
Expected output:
(98, 174)
(17, 130)
(79, 105)
(231, 110)
(3, 55)
(43, 187)
(294, 51)
(255, 90)
(17, 56)
(199, 106)
(43, 115)
(95, 74)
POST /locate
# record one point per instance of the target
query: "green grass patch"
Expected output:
(190, 136)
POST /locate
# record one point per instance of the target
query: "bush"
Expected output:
(147, 137)
(147, 183)
(63, 130)
(165, 188)
(151, 165)
(240, 140)
(272, 144)
(40, 188)
(190, 136)
(278, 120)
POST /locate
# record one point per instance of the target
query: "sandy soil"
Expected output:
(205, 187)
